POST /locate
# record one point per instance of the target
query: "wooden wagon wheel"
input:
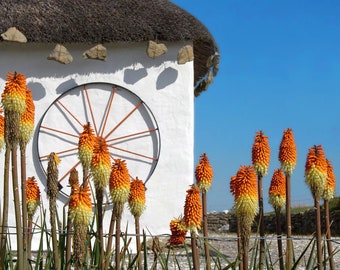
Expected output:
(115, 113)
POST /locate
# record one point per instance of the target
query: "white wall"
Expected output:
(165, 86)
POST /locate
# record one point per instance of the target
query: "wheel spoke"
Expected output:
(59, 131)
(91, 111)
(124, 119)
(108, 109)
(58, 153)
(69, 112)
(116, 114)
(133, 135)
(133, 153)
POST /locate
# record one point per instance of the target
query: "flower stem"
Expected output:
(328, 236)
(205, 230)
(68, 241)
(194, 249)
(99, 196)
(239, 245)
(109, 241)
(5, 208)
(16, 197)
(279, 236)
(23, 199)
(118, 209)
(29, 237)
(138, 244)
(289, 243)
(318, 231)
(261, 222)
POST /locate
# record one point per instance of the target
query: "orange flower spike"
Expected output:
(86, 143)
(119, 182)
(261, 154)
(316, 170)
(277, 189)
(232, 185)
(14, 95)
(287, 152)
(26, 127)
(178, 231)
(193, 209)
(204, 173)
(137, 197)
(80, 206)
(2, 130)
(328, 193)
(32, 196)
(244, 188)
(100, 164)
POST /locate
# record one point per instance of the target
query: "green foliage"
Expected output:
(334, 204)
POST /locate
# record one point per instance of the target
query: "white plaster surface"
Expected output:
(165, 86)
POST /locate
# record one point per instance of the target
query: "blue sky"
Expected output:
(280, 68)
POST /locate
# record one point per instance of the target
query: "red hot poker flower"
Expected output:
(204, 173)
(261, 154)
(277, 189)
(287, 152)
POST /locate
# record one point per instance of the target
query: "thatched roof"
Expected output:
(103, 21)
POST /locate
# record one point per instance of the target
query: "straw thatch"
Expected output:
(104, 21)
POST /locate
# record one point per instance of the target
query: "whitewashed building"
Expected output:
(153, 55)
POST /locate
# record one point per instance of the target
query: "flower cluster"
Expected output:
(101, 164)
(137, 197)
(119, 182)
(86, 143)
(316, 170)
(178, 231)
(26, 127)
(14, 95)
(204, 173)
(32, 196)
(243, 186)
(328, 192)
(261, 154)
(277, 189)
(193, 209)
(80, 206)
(287, 152)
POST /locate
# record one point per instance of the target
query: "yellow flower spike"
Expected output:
(86, 143)
(204, 173)
(287, 152)
(316, 170)
(137, 197)
(329, 191)
(2, 130)
(101, 164)
(277, 189)
(193, 209)
(243, 186)
(119, 182)
(178, 231)
(26, 127)
(261, 154)
(80, 206)
(14, 95)
(32, 196)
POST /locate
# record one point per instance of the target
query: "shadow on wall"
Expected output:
(167, 77)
